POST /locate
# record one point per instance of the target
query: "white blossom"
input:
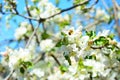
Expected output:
(46, 45)
(38, 72)
(83, 42)
(103, 33)
(16, 55)
(20, 32)
(101, 14)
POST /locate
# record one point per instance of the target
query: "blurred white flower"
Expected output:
(96, 66)
(72, 34)
(38, 72)
(118, 44)
(101, 14)
(72, 69)
(83, 42)
(16, 55)
(20, 32)
(103, 33)
(34, 13)
(46, 45)
(119, 14)
(74, 47)
(46, 8)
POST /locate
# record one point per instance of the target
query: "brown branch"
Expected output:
(10, 75)
(39, 58)
(99, 47)
(30, 38)
(26, 4)
(26, 17)
(43, 19)
(54, 57)
(29, 14)
(14, 7)
(116, 17)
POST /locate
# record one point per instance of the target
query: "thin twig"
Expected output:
(29, 14)
(70, 8)
(116, 17)
(10, 75)
(44, 27)
(42, 20)
(105, 5)
(26, 17)
(39, 57)
(92, 24)
(54, 57)
(30, 38)
(26, 5)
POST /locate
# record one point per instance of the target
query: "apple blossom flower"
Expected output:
(16, 55)
(38, 72)
(46, 45)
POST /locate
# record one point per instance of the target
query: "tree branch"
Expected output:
(38, 58)
(116, 17)
(26, 17)
(10, 75)
(30, 38)
(54, 57)
(29, 14)
(67, 9)
(43, 19)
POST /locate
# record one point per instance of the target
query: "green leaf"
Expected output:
(80, 64)
(90, 57)
(59, 43)
(118, 51)
(63, 34)
(112, 47)
(63, 24)
(35, 1)
(110, 20)
(118, 59)
(57, 2)
(111, 36)
(45, 35)
(63, 68)
(22, 70)
(91, 34)
(77, 1)
(26, 64)
(63, 41)
(101, 41)
(67, 57)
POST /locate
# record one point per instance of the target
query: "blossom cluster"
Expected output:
(71, 53)
(82, 57)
